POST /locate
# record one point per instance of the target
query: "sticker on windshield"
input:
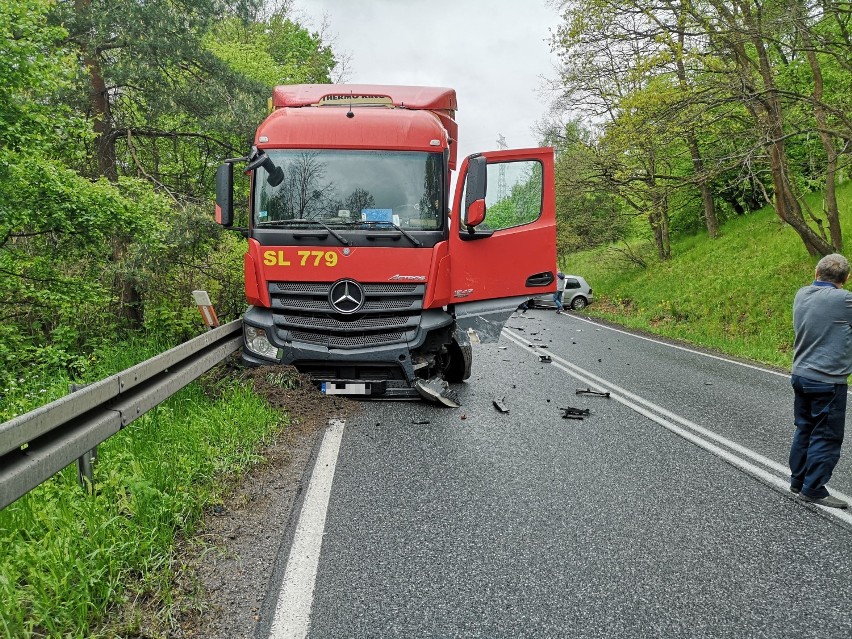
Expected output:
(377, 215)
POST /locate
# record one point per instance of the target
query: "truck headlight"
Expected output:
(257, 342)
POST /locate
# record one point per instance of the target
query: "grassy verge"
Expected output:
(733, 294)
(78, 566)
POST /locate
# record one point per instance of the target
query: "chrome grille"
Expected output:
(317, 288)
(363, 323)
(348, 341)
(390, 314)
(390, 289)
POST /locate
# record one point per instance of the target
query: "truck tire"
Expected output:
(459, 363)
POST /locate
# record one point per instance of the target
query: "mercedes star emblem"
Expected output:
(346, 296)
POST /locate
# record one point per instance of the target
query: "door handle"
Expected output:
(540, 279)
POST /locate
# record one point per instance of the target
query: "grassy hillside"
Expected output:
(733, 294)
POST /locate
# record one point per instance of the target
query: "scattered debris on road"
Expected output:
(589, 391)
(500, 404)
(569, 412)
(544, 358)
(420, 422)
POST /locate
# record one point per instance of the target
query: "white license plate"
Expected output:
(330, 388)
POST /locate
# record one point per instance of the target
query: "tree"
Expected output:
(55, 226)
(167, 100)
(272, 51)
(756, 37)
(599, 55)
(588, 212)
(146, 71)
(113, 117)
(359, 200)
(757, 78)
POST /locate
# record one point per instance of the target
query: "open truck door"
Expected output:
(502, 238)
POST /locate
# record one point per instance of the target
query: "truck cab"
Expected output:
(362, 268)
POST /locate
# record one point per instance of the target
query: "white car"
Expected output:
(577, 295)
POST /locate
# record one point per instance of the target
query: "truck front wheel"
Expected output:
(459, 362)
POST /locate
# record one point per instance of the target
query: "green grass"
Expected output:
(79, 566)
(31, 384)
(733, 294)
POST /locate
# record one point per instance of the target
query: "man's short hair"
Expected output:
(832, 268)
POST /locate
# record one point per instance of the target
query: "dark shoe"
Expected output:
(828, 501)
(795, 490)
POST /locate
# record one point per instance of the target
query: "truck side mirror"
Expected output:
(475, 187)
(475, 214)
(225, 195)
(274, 174)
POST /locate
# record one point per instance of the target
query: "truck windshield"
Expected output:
(344, 188)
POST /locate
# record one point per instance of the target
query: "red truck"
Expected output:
(363, 269)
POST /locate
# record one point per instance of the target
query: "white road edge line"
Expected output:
(680, 348)
(645, 407)
(293, 611)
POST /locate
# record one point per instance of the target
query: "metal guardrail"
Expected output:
(37, 445)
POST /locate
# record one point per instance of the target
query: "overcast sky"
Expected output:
(492, 52)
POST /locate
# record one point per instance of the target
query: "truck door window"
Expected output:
(342, 188)
(514, 194)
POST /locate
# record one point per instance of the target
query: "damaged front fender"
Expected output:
(483, 320)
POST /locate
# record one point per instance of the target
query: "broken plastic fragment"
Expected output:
(500, 404)
(569, 412)
(589, 391)
(437, 390)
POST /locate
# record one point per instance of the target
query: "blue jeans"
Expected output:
(557, 299)
(819, 412)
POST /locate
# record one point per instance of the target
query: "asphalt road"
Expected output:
(663, 514)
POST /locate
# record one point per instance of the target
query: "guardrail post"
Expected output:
(208, 313)
(85, 463)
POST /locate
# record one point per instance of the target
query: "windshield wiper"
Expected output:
(407, 235)
(281, 224)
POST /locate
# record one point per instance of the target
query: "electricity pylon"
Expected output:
(501, 175)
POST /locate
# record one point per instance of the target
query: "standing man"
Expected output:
(822, 361)
(560, 289)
